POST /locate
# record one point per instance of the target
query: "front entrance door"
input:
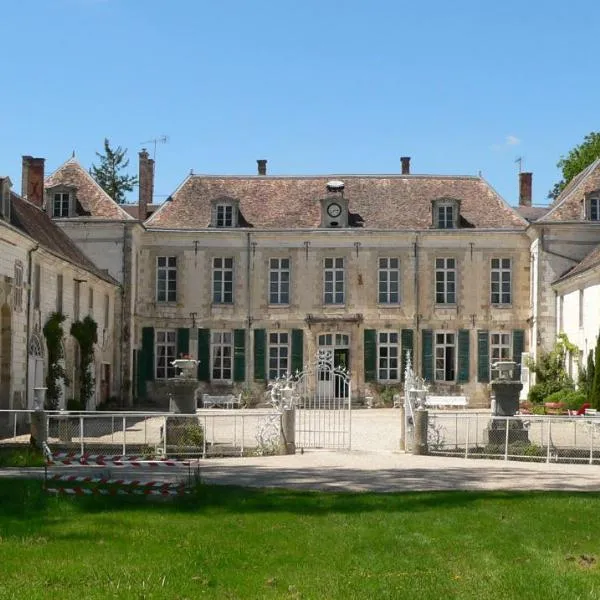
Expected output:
(329, 386)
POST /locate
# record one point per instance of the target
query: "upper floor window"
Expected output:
(279, 354)
(76, 298)
(91, 302)
(106, 310)
(37, 285)
(166, 342)
(445, 213)
(445, 281)
(594, 209)
(59, 293)
(60, 204)
(501, 283)
(223, 280)
(389, 281)
(333, 279)
(18, 286)
(221, 346)
(445, 216)
(445, 356)
(279, 281)
(166, 279)
(224, 215)
(388, 353)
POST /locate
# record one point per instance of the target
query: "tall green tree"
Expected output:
(108, 172)
(594, 397)
(576, 161)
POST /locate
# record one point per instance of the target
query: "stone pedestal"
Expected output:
(420, 432)
(39, 428)
(287, 441)
(506, 394)
(182, 396)
(506, 404)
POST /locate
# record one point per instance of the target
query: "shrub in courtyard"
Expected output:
(594, 395)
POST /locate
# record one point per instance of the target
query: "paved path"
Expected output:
(361, 471)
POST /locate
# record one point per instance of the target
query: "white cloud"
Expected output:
(509, 140)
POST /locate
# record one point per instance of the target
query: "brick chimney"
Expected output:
(262, 166)
(146, 184)
(32, 180)
(405, 160)
(525, 187)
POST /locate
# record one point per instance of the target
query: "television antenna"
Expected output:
(519, 160)
(163, 139)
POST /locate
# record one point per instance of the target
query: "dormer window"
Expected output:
(225, 213)
(594, 208)
(60, 205)
(445, 213)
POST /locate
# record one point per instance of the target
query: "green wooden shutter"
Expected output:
(146, 360)
(518, 349)
(239, 355)
(183, 342)
(370, 354)
(463, 356)
(260, 342)
(297, 350)
(483, 356)
(407, 343)
(204, 354)
(427, 355)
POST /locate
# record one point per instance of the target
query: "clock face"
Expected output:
(334, 210)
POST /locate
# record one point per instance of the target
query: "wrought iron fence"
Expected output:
(210, 432)
(540, 438)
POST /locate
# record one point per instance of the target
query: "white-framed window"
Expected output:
(279, 281)
(59, 292)
(165, 351)
(224, 215)
(500, 346)
(501, 275)
(388, 356)
(18, 298)
(279, 354)
(223, 280)
(445, 356)
(594, 209)
(445, 281)
(60, 205)
(445, 216)
(166, 278)
(221, 351)
(91, 302)
(333, 281)
(389, 281)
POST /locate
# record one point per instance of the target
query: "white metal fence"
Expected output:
(210, 432)
(528, 437)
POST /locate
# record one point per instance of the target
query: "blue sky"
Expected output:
(315, 86)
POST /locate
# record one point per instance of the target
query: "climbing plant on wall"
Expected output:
(54, 334)
(86, 334)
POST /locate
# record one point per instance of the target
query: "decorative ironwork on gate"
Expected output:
(323, 404)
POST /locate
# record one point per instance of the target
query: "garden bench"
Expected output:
(227, 401)
(446, 402)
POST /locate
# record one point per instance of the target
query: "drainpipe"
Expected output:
(28, 321)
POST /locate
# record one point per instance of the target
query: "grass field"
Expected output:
(237, 543)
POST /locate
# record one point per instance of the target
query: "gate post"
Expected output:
(39, 428)
(420, 433)
(402, 427)
(287, 437)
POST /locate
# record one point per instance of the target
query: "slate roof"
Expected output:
(568, 205)
(38, 225)
(398, 202)
(590, 261)
(94, 201)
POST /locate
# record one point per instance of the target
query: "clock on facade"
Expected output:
(334, 210)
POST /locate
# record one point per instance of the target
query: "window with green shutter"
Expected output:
(370, 354)
(297, 350)
(239, 355)
(464, 357)
(518, 349)
(427, 355)
(483, 356)
(183, 342)
(407, 344)
(260, 337)
(204, 354)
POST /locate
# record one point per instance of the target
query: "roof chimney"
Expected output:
(405, 160)
(525, 186)
(146, 184)
(32, 180)
(262, 166)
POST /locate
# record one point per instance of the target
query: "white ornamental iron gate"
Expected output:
(323, 404)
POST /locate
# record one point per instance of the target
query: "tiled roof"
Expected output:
(92, 198)
(568, 205)
(532, 213)
(589, 262)
(378, 201)
(133, 209)
(39, 226)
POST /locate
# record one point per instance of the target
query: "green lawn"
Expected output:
(239, 543)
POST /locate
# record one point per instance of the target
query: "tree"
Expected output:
(576, 161)
(594, 397)
(107, 173)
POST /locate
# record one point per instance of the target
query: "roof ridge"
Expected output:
(328, 175)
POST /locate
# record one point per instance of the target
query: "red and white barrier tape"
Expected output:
(63, 458)
(79, 491)
(125, 482)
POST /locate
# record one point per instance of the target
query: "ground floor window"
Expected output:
(500, 349)
(166, 342)
(388, 353)
(445, 356)
(279, 354)
(222, 355)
